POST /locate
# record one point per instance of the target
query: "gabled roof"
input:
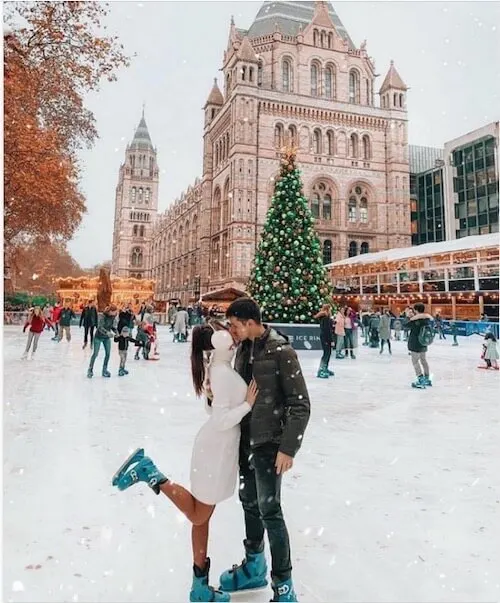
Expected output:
(215, 97)
(393, 80)
(141, 136)
(291, 17)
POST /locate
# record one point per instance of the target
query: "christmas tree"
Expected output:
(288, 279)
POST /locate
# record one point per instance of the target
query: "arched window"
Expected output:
(353, 249)
(216, 154)
(147, 193)
(329, 82)
(315, 206)
(243, 73)
(225, 205)
(278, 135)
(330, 143)
(395, 100)
(327, 252)
(287, 75)
(383, 102)
(354, 86)
(135, 230)
(133, 193)
(292, 135)
(322, 194)
(136, 258)
(330, 40)
(141, 231)
(323, 39)
(365, 248)
(216, 211)
(314, 79)
(353, 204)
(327, 207)
(250, 74)
(140, 194)
(317, 141)
(401, 101)
(315, 37)
(354, 145)
(260, 68)
(367, 151)
(358, 198)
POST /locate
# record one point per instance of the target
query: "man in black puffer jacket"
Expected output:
(271, 436)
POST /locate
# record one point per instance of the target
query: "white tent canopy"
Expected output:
(407, 253)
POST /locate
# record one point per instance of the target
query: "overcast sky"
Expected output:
(446, 52)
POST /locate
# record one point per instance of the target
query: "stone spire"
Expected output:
(215, 97)
(141, 136)
(393, 81)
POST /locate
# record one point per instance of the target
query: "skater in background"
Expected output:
(490, 351)
(349, 318)
(105, 331)
(326, 338)
(123, 340)
(214, 463)
(384, 331)
(36, 322)
(142, 341)
(365, 322)
(408, 313)
(420, 336)
(439, 326)
(454, 331)
(65, 319)
(172, 313)
(126, 318)
(374, 327)
(181, 325)
(339, 333)
(397, 329)
(484, 318)
(56, 313)
(88, 320)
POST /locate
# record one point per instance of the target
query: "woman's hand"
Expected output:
(252, 393)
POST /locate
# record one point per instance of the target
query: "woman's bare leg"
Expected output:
(199, 539)
(197, 512)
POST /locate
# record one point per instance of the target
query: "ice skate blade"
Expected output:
(135, 457)
(240, 593)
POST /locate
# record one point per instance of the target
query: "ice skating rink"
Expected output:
(394, 497)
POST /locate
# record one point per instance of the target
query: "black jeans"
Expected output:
(382, 341)
(260, 495)
(88, 330)
(327, 352)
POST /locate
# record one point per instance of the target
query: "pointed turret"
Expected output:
(246, 52)
(321, 17)
(214, 103)
(142, 139)
(393, 90)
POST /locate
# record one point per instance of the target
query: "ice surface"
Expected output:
(394, 496)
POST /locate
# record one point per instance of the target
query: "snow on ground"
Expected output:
(394, 496)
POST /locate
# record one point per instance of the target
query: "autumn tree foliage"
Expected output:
(56, 53)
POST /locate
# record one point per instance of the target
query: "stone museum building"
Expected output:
(295, 76)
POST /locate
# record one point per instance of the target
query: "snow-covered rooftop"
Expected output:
(407, 253)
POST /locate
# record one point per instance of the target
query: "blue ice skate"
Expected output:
(322, 374)
(249, 575)
(90, 373)
(428, 381)
(121, 373)
(200, 589)
(143, 471)
(135, 457)
(284, 591)
(330, 373)
(106, 373)
(419, 383)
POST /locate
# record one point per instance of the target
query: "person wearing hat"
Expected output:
(105, 330)
(123, 339)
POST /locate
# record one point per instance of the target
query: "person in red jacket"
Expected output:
(36, 322)
(56, 314)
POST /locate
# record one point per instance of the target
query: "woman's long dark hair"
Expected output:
(201, 341)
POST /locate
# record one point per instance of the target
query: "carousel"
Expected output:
(77, 291)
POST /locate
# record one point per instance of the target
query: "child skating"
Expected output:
(214, 463)
(142, 341)
(490, 352)
(36, 322)
(123, 340)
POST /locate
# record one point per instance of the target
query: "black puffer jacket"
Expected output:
(281, 411)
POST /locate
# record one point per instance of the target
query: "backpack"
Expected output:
(426, 335)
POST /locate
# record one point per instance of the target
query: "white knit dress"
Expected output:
(214, 464)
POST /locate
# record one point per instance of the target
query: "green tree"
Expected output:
(288, 278)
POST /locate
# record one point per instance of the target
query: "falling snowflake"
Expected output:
(17, 586)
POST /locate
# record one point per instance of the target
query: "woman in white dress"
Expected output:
(214, 464)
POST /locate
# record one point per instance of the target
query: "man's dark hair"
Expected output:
(245, 308)
(420, 308)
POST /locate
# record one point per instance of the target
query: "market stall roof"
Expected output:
(408, 253)
(228, 294)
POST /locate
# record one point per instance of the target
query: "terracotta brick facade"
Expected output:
(297, 80)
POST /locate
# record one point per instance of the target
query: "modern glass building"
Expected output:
(471, 173)
(427, 195)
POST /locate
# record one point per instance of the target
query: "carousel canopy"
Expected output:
(223, 295)
(408, 253)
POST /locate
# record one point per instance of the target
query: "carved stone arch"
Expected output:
(324, 198)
